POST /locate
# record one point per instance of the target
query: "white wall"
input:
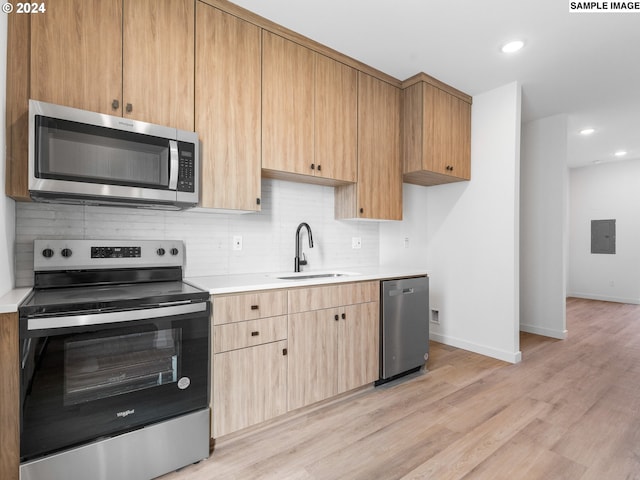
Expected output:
(467, 235)
(7, 206)
(599, 192)
(543, 234)
(268, 237)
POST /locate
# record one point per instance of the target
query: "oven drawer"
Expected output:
(249, 306)
(248, 334)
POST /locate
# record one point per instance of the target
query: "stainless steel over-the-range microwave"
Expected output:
(76, 156)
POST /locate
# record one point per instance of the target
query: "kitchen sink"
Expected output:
(307, 276)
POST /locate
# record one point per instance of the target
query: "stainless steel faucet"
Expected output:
(297, 261)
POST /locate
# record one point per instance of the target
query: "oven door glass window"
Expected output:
(96, 367)
(85, 153)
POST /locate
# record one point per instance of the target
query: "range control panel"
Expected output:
(115, 252)
(100, 254)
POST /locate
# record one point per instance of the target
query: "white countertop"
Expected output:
(219, 284)
(11, 300)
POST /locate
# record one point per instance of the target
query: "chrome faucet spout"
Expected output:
(297, 261)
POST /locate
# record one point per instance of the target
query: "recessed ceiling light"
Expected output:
(513, 46)
(587, 131)
(620, 153)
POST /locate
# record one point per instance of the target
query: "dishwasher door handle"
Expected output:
(404, 291)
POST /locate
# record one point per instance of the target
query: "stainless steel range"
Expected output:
(114, 362)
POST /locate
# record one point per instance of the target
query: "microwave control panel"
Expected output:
(186, 167)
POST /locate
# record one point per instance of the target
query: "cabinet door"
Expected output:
(312, 356)
(451, 136)
(358, 346)
(228, 58)
(378, 193)
(249, 387)
(287, 105)
(158, 59)
(76, 55)
(336, 120)
(9, 397)
(379, 168)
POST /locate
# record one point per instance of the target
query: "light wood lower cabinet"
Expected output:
(249, 386)
(332, 350)
(266, 362)
(249, 348)
(9, 397)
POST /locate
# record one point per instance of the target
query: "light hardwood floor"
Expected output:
(569, 410)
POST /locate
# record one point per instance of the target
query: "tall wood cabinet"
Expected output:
(309, 107)
(228, 107)
(378, 192)
(437, 132)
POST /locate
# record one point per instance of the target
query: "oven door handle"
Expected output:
(47, 323)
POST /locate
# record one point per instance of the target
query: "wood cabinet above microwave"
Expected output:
(80, 60)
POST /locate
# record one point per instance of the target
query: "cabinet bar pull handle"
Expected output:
(115, 104)
(344, 315)
(255, 307)
(255, 334)
(313, 166)
(284, 351)
(129, 108)
(319, 167)
(336, 317)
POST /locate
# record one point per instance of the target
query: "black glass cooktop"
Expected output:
(86, 298)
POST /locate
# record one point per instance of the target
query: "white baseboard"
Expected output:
(546, 332)
(605, 298)
(511, 357)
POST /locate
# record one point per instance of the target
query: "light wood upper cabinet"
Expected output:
(309, 105)
(76, 55)
(335, 126)
(288, 70)
(378, 193)
(437, 132)
(228, 102)
(158, 62)
(133, 58)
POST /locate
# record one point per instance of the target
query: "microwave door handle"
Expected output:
(173, 164)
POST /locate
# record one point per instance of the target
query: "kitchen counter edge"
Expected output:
(11, 300)
(248, 282)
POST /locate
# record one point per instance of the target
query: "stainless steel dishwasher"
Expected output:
(404, 326)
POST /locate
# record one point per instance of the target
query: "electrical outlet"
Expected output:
(406, 242)
(237, 242)
(356, 242)
(435, 316)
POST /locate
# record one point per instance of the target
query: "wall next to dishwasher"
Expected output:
(268, 237)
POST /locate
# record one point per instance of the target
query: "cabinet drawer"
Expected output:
(248, 334)
(249, 306)
(316, 298)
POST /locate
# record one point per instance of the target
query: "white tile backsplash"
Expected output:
(268, 237)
